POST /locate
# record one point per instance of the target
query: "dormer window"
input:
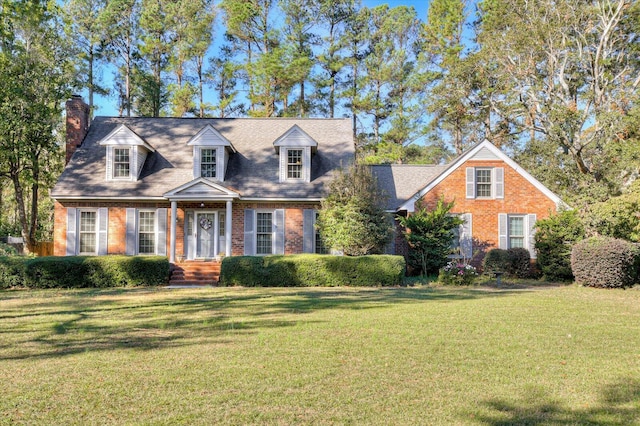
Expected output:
(208, 162)
(126, 153)
(294, 164)
(295, 149)
(211, 153)
(121, 163)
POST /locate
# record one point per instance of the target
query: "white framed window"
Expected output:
(88, 232)
(121, 163)
(146, 232)
(208, 162)
(516, 231)
(483, 183)
(264, 233)
(294, 163)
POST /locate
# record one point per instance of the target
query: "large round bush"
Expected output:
(605, 262)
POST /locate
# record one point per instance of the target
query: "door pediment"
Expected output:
(201, 189)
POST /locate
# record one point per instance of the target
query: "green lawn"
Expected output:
(556, 356)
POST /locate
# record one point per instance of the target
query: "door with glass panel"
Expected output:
(206, 225)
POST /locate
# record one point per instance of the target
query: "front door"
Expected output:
(206, 225)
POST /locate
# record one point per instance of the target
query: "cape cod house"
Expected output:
(194, 189)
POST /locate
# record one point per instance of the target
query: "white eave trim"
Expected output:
(137, 140)
(298, 200)
(195, 141)
(111, 198)
(409, 205)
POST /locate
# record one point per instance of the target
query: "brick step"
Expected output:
(195, 273)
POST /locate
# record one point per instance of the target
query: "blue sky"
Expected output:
(419, 5)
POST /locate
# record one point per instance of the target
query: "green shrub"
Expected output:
(554, 238)
(12, 272)
(96, 271)
(496, 260)
(7, 250)
(519, 262)
(457, 273)
(605, 262)
(310, 270)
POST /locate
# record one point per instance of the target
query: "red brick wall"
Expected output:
(520, 197)
(117, 223)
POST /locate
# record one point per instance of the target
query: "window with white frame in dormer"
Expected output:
(121, 163)
(208, 162)
(294, 164)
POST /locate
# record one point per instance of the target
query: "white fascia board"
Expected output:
(135, 139)
(410, 204)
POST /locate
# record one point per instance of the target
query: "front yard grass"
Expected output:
(485, 356)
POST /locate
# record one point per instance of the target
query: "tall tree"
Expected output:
(300, 18)
(35, 73)
(85, 29)
(448, 75)
(222, 74)
(333, 16)
(121, 20)
(573, 73)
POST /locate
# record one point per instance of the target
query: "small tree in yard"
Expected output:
(352, 218)
(429, 235)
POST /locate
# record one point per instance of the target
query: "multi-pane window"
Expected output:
(121, 162)
(88, 232)
(483, 183)
(208, 162)
(455, 242)
(294, 164)
(146, 232)
(516, 231)
(264, 233)
(319, 248)
(221, 224)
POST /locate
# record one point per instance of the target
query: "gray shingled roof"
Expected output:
(252, 171)
(402, 181)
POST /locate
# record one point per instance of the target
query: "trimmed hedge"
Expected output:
(605, 262)
(312, 270)
(83, 271)
(496, 260)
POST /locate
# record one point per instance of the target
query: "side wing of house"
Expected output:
(498, 200)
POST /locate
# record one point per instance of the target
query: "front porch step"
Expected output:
(195, 273)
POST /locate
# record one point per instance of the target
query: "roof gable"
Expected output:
(295, 137)
(485, 150)
(209, 136)
(123, 135)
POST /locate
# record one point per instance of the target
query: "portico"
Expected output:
(207, 231)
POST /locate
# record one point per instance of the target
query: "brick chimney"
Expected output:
(77, 124)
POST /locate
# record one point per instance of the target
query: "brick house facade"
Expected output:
(194, 188)
(498, 200)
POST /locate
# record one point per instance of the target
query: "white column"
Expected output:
(174, 222)
(227, 228)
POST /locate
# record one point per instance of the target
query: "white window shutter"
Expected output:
(466, 241)
(249, 232)
(72, 225)
(130, 238)
(308, 230)
(161, 232)
(471, 182)
(278, 229)
(196, 162)
(531, 228)
(283, 164)
(499, 182)
(220, 163)
(306, 164)
(103, 226)
(503, 231)
(109, 163)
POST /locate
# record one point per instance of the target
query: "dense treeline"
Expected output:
(555, 84)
